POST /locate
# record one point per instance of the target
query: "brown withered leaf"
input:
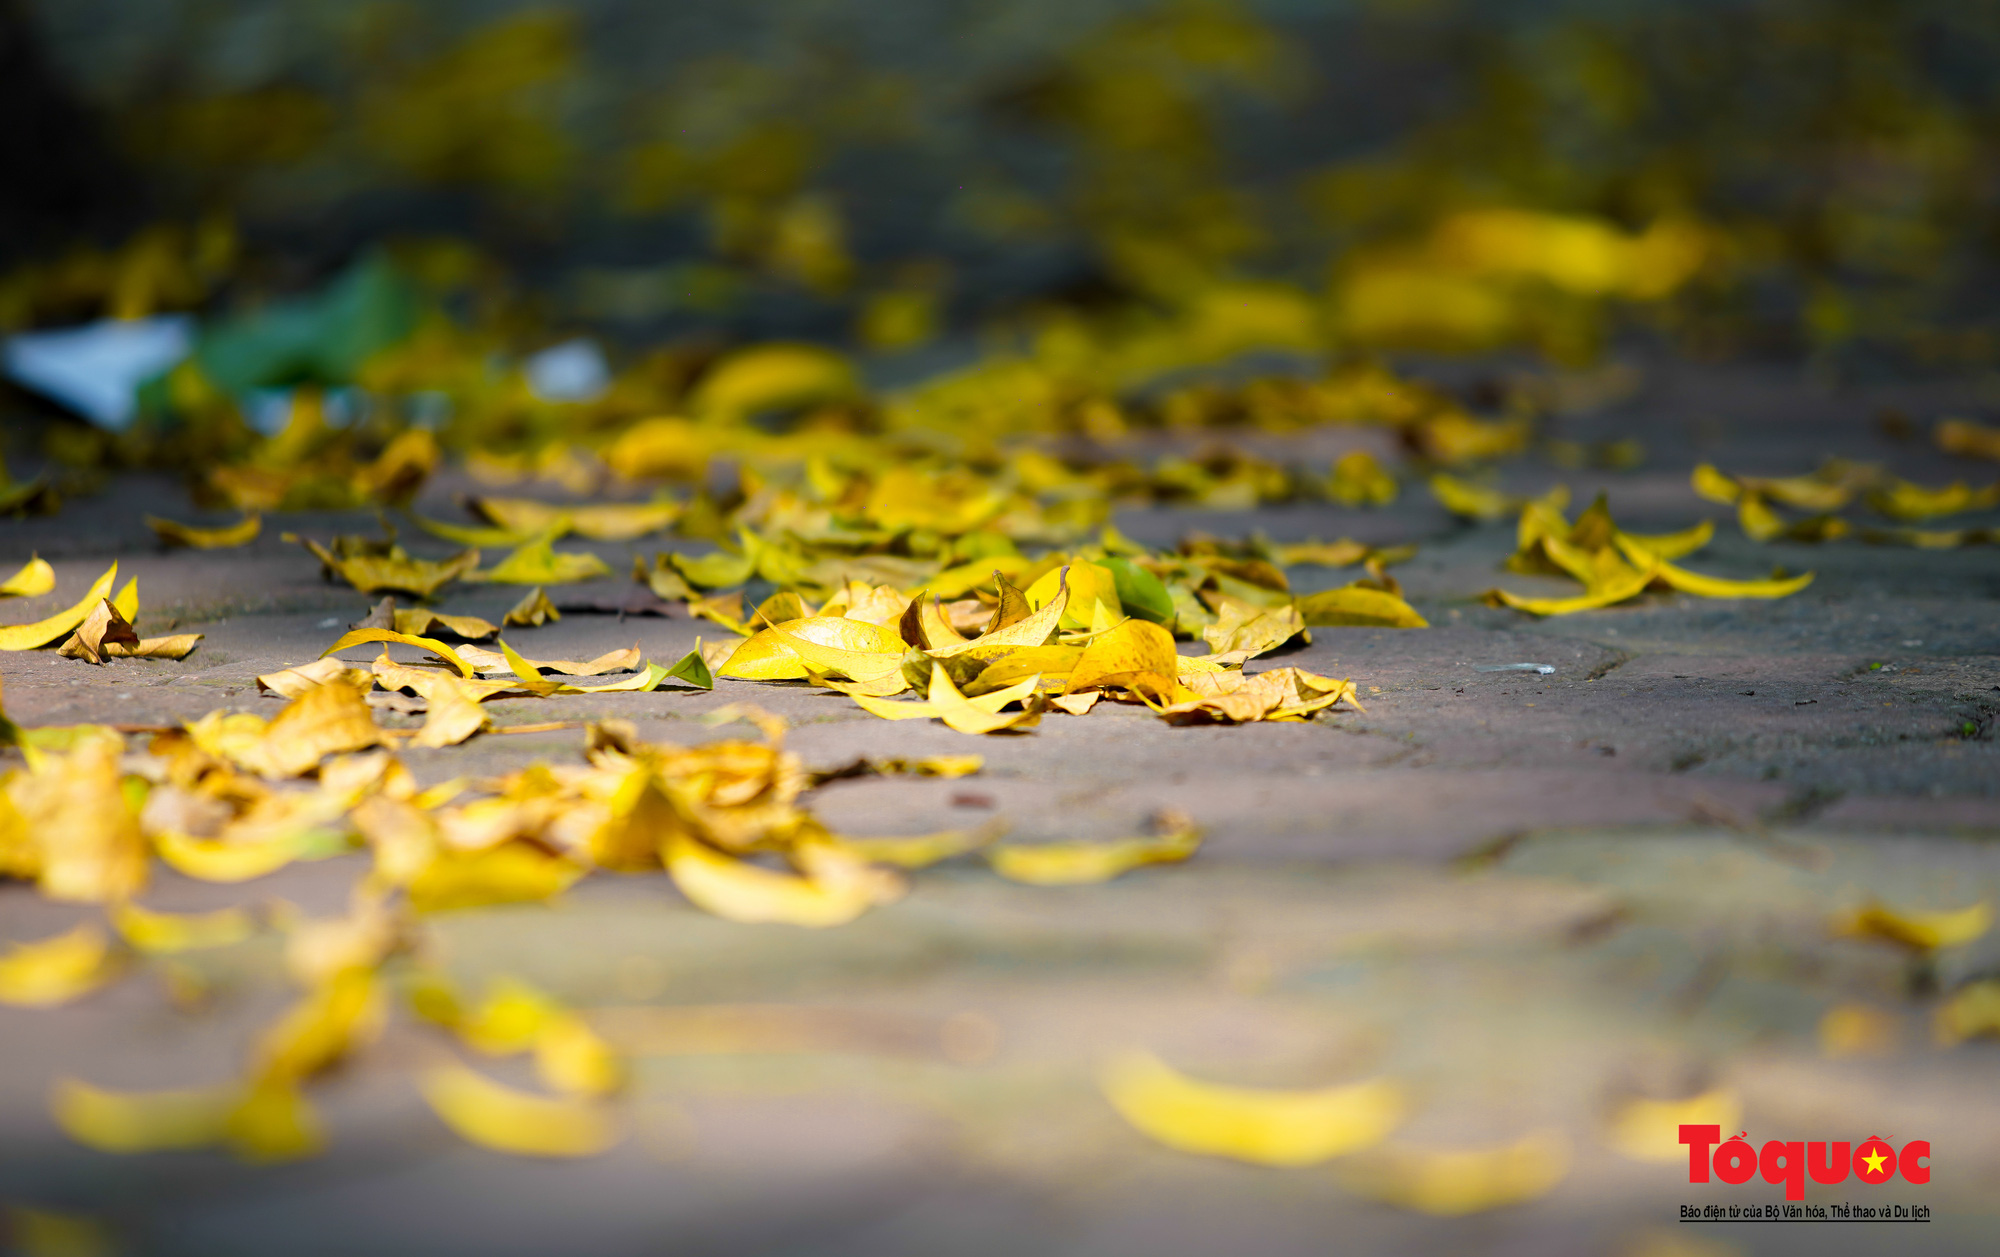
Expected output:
(532, 611)
(101, 629)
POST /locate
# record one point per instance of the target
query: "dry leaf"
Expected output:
(214, 860)
(424, 623)
(1261, 1126)
(146, 1121)
(510, 873)
(772, 654)
(1133, 648)
(166, 933)
(1649, 1130)
(1358, 605)
(1919, 931)
(55, 970)
(1082, 863)
(923, 851)
(1280, 694)
(363, 636)
(533, 611)
(1251, 629)
(1962, 436)
(1450, 1184)
(293, 682)
(835, 893)
(34, 579)
(538, 563)
(502, 1118)
(102, 629)
(42, 632)
(237, 534)
(395, 570)
(1973, 1011)
(75, 810)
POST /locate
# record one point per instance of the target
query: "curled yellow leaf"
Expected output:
(34, 579)
(1461, 1181)
(42, 632)
(238, 534)
(143, 1121)
(55, 970)
(739, 891)
(504, 1119)
(1920, 931)
(1081, 863)
(1261, 1126)
(164, 933)
(362, 636)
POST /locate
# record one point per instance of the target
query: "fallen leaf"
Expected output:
(1112, 659)
(1962, 436)
(773, 654)
(238, 534)
(85, 835)
(714, 571)
(421, 622)
(144, 1121)
(693, 669)
(1088, 591)
(55, 970)
(924, 850)
(166, 933)
(502, 1118)
(610, 661)
(1900, 499)
(1649, 1130)
(1279, 694)
(214, 860)
(1629, 587)
(1081, 863)
(292, 682)
(1973, 1011)
(533, 611)
(34, 579)
(1712, 586)
(538, 563)
(740, 891)
(1453, 1183)
(511, 873)
(1261, 1126)
(395, 570)
(1919, 931)
(364, 636)
(42, 632)
(1358, 605)
(1251, 629)
(102, 629)
(340, 1013)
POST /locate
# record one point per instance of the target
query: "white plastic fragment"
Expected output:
(1543, 668)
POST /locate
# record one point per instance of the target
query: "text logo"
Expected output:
(1735, 1160)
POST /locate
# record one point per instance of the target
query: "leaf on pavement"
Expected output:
(505, 1119)
(395, 570)
(241, 533)
(833, 893)
(533, 611)
(538, 563)
(1461, 1181)
(100, 631)
(1358, 604)
(56, 970)
(363, 636)
(1919, 931)
(1258, 1125)
(166, 933)
(420, 622)
(34, 579)
(42, 632)
(1082, 863)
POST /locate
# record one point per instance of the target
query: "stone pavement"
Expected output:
(1531, 898)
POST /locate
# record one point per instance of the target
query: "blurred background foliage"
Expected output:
(1049, 202)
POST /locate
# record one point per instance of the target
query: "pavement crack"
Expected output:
(1606, 668)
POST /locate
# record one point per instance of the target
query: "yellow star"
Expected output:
(1875, 1160)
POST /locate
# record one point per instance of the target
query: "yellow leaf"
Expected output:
(214, 860)
(1358, 605)
(1900, 499)
(396, 570)
(100, 631)
(573, 1058)
(1083, 863)
(1715, 587)
(510, 873)
(1036, 629)
(1261, 1126)
(537, 563)
(1133, 647)
(773, 654)
(164, 933)
(739, 891)
(1671, 545)
(773, 377)
(1089, 586)
(73, 807)
(292, 682)
(1605, 596)
(273, 1121)
(178, 646)
(1649, 1130)
(923, 851)
(1469, 500)
(1450, 1184)
(621, 521)
(522, 519)
(486, 1113)
(1251, 629)
(1279, 694)
(533, 611)
(1962, 436)
(1358, 480)
(34, 579)
(331, 1020)
(421, 622)
(42, 632)
(322, 721)
(1758, 521)
(1972, 1011)
(453, 712)
(1712, 484)
(145, 1121)
(238, 534)
(360, 637)
(1920, 931)
(55, 970)
(715, 570)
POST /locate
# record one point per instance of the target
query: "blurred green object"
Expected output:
(321, 339)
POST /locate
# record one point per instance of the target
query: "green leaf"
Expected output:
(1143, 593)
(693, 669)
